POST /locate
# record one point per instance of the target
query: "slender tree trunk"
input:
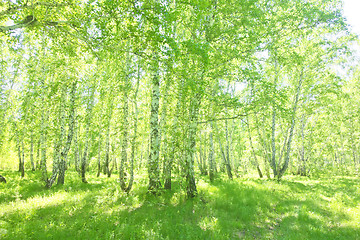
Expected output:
(133, 142)
(125, 134)
(253, 151)
(228, 162)
(163, 133)
(32, 153)
(352, 142)
(43, 125)
(191, 190)
(38, 154)
(224, 153)
(66, 145)
(273, 126)
(22, 159)
(88, 118)
(99, 154)
(302, 165)
(99, 144)
(211, 156)
(43, 146)
(173, 139)
(293, 120)
(76, 146)
(107, 153)
(109, 112)
(19, 153)
(273, 146)
(59, 167)
(20, 148)
(153, 164)
(56, 153)
(200, 158)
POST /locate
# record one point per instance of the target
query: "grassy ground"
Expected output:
(296, 208)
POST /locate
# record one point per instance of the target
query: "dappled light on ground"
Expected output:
(295, 208)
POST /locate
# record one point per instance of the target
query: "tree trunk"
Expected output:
(133, 142)
(273, 146)
(125, 134)
(211, 156)
(32, 153)
(88, 118)
(43, 147)
(253, 151)
(66, 145)
(99, 154)
(174, 140)
(228, 162)
(191, 190)
(76, 147)
(38, 154)
(153, 164)
(163, 133)
(107, 153)
(293, 120)
(60, 163)
(22, 159)
(223, 153)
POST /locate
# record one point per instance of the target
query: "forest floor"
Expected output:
(296, 208)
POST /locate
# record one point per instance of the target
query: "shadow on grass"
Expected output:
(239, 209)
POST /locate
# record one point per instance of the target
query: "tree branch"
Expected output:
(31, 21)
(225, 118)
(15, 8)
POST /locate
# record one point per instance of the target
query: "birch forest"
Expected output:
(178, 119)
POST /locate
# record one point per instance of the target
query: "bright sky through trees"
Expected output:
(351, 12)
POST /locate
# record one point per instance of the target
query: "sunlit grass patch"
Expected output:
(296, 208)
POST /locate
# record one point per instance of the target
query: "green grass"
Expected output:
(295, 208)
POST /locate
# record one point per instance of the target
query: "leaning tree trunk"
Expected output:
(293, 120)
